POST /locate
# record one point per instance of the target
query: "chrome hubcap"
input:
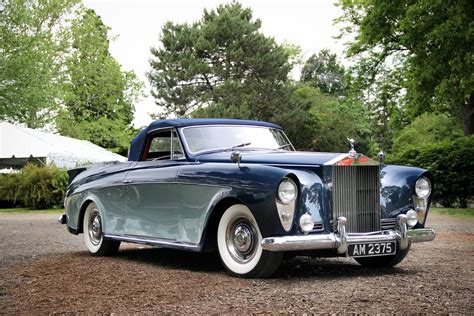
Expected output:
(241, 240)
(95, 227)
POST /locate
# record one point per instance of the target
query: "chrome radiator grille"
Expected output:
(356, 195)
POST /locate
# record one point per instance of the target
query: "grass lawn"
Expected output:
(456, 212)
(30, 211)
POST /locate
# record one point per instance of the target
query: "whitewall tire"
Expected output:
(93, 235)
(238, 243)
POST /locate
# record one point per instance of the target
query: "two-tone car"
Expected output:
(238, 187)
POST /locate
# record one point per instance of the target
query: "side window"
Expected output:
(163, 146)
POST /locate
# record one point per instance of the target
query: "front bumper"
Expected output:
(340, 240)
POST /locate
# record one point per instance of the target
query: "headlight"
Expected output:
(422, 187)
(286, 202)
(287, 191)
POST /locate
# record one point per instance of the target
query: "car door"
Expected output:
(152, 199)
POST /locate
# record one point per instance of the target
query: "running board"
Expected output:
(166, 243)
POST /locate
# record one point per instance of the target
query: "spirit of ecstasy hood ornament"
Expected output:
(352, 152)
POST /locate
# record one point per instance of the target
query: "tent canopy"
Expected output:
(20, 144)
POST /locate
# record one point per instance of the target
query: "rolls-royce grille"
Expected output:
(356, 195)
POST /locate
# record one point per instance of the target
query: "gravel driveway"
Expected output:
(44, 269)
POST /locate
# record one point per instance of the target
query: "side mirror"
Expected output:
(236, 157)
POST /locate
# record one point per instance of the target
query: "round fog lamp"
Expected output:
(306, 223)
(411, 218)
(286, 215)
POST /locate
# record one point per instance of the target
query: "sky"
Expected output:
(136, 26)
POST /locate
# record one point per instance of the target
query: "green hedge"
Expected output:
(34, 187)
(452, 166)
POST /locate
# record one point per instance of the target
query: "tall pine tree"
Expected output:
(221, 65)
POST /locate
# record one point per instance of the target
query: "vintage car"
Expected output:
(240, 188)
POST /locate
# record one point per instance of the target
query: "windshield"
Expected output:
(205, 138)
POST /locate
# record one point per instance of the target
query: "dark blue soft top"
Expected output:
(138, 142)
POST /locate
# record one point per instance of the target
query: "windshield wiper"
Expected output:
(239, 145)
(283, 146)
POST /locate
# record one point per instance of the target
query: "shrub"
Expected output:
(35, 187)
(429, 128)
(10, 188)
(451, 163)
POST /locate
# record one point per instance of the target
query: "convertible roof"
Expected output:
(139, 140)
(203, 121)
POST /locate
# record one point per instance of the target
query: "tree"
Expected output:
(222, 62)
(429, 43)
(317, 121)
(98, 95)
(382, 99)
(429, 128)
(33, 38)
(322, 70)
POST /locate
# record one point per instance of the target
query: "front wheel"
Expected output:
(93, 237)
(384, 261)
(238, 242)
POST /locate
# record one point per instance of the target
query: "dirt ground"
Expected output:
(44, 269)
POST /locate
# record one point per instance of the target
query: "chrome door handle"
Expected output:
(127, 181)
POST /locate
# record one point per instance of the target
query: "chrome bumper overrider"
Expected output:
(341, 239)
(62, 219)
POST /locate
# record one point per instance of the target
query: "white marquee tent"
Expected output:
(19, 145)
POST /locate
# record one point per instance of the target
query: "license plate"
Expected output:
(372, 249)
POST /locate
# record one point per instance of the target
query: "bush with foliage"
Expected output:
(429, 128)
(10, 188)
(451, 163)
(36, 187)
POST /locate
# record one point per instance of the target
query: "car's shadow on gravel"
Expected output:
(298, 267)
(332, 268)
(173, 259)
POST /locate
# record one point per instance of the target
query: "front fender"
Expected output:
(253, 185)
(397, 188)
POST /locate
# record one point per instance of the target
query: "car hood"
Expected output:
(285, 158)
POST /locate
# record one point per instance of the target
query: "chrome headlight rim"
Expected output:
(423, 187)
(284, 194)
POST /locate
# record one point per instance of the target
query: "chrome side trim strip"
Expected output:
(154, 242)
